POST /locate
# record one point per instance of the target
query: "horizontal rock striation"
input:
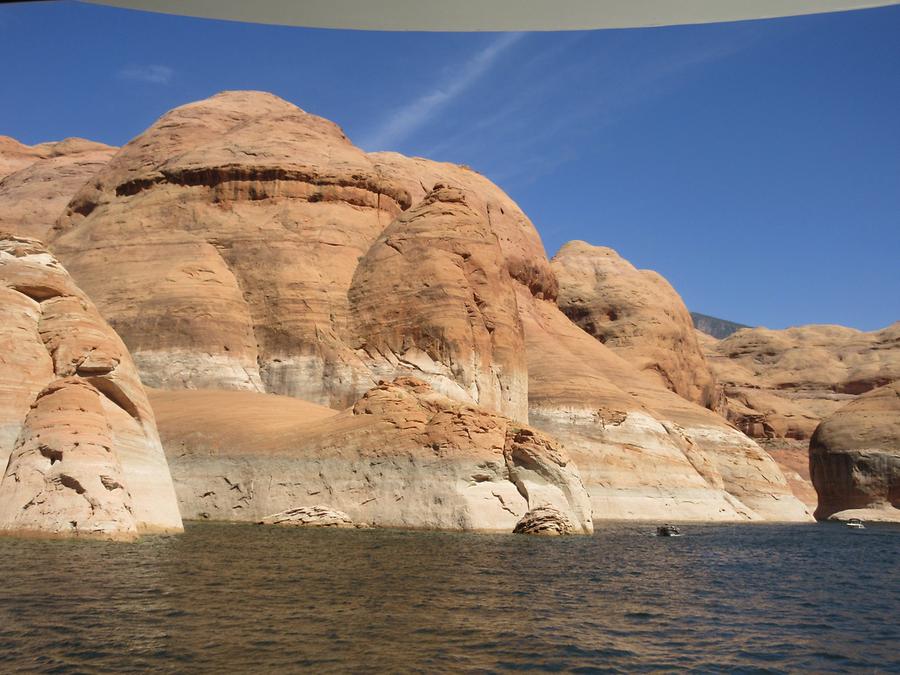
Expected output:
(643, 451)
(403, 456)
(77, 436)
(309, 516)
(544, 521)
(242, 244)
(782, 383)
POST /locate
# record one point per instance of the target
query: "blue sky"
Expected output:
(756, 165)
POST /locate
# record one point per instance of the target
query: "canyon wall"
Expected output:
(78, 439)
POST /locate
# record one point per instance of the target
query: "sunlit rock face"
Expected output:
(78, 439)
(403, 456)
(637, 314)
(854, 458)
(644, 452)
(782, 383)
(37, 182)
(243, 244)
(247, 218)
(432, 297)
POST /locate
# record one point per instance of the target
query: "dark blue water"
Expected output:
(236, 598)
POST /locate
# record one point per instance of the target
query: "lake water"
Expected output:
(242, 598)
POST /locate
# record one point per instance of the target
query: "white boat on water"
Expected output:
(856, 524)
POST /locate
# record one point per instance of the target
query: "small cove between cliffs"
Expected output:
(242, 598)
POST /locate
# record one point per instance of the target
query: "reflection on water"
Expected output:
(247, 598)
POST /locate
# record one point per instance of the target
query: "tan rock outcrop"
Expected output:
(782, 383)
(523, 252)
(241, 243)
(854, 458)
(221, 243)
(246, 210)
(403, 456)
(792, 457)
(637, 314)
(41, 180)
(544, 521)
(643, 451)
(77, 435)
(309, 516)
(432, 298)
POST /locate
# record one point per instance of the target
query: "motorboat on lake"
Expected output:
(856, 524)
(668, 531)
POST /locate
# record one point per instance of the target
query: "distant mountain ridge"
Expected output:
(718, 328)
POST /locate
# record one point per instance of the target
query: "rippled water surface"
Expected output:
(239, 598)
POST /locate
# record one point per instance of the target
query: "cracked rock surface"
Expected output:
(403, 456)
(78, 439)
(545, 521)
(309, 516)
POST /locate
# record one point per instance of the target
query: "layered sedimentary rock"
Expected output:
(523, 252)
(403, 456)
(644, 452)
(432, 296)
(248, 218)
(77, 436)
(782, 383)
(245, 217)
(241, 243)
(637, 314)
(544, 521)
(854, 458)
(37, 182)
(309, 516)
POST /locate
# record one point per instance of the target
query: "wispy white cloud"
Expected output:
(153, 74)
(408, 118)
(540, 142)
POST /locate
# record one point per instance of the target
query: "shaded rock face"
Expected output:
(644, 452)
(637, 314)
(545, 521)
(854, 458)
(715, 327)
(403, 456)
(781, 384)
(432, 298)
(37, 182)
(249, 217)
(792, 457)
(309, 516)
(77, 436)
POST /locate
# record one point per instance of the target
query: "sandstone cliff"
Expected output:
(246, 210)
(782, 383)
(637, 314)
(644, 452)
(403, 456)
(854, 458)
(78, 439)
(37, 182)
(241, 243)
(432, 296)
